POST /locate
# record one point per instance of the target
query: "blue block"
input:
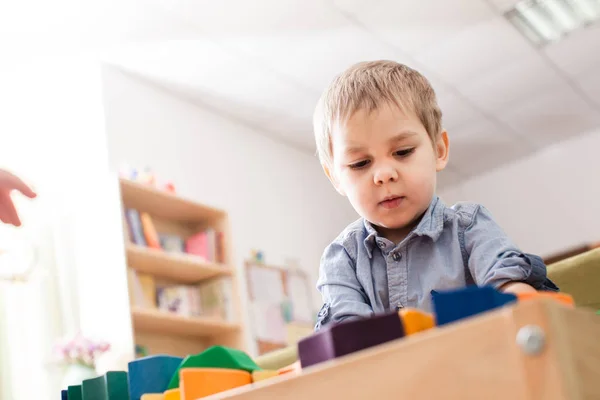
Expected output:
(151, 374)
(453, 305)
(64, 395)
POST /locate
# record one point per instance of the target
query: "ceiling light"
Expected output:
(546, 21)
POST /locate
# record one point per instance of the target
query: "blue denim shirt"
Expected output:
(362, 273)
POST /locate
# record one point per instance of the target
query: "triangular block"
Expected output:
(216, 357)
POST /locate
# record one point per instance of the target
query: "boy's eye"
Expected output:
(360, 164)
(404, 152)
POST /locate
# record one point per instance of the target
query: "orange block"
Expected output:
(560, 297)
(172, 394)
(261, 375)
(199, 382)
(153, 396)
(415, 321)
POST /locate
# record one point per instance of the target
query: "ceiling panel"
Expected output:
(308, 42)
(413, 26)
(315, 59)
(482, 145)
(578, 53)
(511, 82)
(474, 51)
(551, 116)
(240, 89)
(236, 18)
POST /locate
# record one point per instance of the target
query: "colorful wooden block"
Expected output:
(453, 305)
(201, 382)
(151, 374)
(94, 389)
(415, 321)
(172, 394)
(348, 337)
(111, 386)
(215, 357)
(117, 385)
(563, 298)
(64, 395)
(74, 392)
(153, 396)
(258, 376)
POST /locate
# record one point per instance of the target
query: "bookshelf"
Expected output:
(161, 323)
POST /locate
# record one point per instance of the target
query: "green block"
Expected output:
(74, 392)
(112, 386)
(117, 385)
(94, 389)
(216, 357)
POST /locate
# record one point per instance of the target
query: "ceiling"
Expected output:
(265, 63)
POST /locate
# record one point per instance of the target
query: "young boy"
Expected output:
(380, 140)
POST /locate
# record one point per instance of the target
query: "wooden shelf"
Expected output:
(183, 268)
(166, 205)
(155, 321)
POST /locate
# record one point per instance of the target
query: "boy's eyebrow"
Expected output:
(402, 135)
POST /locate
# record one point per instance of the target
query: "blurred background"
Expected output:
(211, 102)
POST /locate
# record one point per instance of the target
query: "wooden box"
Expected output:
(537, 349)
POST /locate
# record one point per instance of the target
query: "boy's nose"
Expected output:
(385, 175)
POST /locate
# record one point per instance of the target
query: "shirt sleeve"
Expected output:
(493, 259)
(343, 295)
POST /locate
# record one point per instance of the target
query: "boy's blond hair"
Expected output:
(369, 85)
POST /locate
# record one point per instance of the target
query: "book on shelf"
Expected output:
(179, 299)
(207, 244)
(212, 299)
(149, 231)
(142, 289)
(216, 298)
(134, 223)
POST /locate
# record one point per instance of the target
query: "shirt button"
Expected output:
(380, 244)
(397, 256)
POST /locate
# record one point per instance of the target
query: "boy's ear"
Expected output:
(333, 181)
(442, 149)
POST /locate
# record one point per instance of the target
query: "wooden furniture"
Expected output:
(170, 333)
(536, 349)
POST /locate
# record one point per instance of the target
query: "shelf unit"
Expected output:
(165, 332)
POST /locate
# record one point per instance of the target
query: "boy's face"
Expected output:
(386, 164)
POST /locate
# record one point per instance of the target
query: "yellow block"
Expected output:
(262, 375)
(415, 321)
(153, 396)
(172, 394)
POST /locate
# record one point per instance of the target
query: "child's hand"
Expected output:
(8, 183)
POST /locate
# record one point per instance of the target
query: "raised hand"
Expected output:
(8, 183)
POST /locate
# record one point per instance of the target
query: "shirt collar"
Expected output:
(431, 224)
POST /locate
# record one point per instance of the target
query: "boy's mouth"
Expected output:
(391, 202)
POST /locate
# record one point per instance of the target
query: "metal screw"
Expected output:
(531, 339)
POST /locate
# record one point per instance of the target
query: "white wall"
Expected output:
(548, 202)
(277, 197)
